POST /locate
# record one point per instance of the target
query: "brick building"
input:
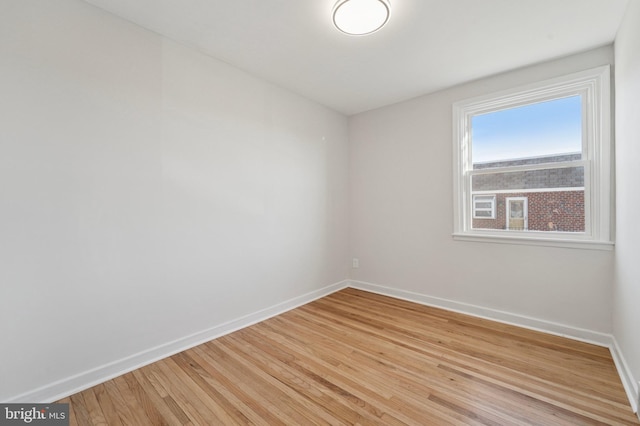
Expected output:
(549, 199)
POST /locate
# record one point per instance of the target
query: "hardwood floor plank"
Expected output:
(360, 358)
(142, 396)
(371, 383)
(105, 403)
(197, 412)
(319, 397)
(257, 413)
(197, 375)
(72, 415)
(134, 407)
(79, 407)
(491, 363)
(317, 388)
(123, 411)
(166, 406)
(406, 381)
(252, 384)
(202, 400)
(296, 408)
(96, 415)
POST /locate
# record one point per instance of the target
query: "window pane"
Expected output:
(540, 130)
(564, 177)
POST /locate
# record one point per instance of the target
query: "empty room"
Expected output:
(373, 212)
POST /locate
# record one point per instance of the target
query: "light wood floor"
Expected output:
(359, 358)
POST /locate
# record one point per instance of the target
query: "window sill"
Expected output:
(536, 241)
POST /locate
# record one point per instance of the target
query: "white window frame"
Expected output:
(594, 88)
(487, 198)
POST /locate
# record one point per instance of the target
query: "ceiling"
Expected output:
(427, 45)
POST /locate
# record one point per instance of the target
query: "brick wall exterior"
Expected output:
(561, 211)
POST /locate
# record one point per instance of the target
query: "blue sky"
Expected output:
(552, 127)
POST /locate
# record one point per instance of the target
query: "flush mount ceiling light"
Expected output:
(360, 17)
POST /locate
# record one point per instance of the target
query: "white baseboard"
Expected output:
(575, 333)
(69, 386)
(631, 386)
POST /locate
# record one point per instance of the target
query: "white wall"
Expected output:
(401, 218)
(148, 192)
(626, 308)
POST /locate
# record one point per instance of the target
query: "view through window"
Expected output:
(528, 161)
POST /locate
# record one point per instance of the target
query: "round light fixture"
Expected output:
(360, 17)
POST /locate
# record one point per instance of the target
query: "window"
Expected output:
(484, 206)
(533, 164)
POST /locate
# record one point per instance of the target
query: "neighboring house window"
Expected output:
(533, 164)
(484, 206)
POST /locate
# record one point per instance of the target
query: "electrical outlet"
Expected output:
(356, 262)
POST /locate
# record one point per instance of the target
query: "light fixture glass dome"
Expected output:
(360, 17)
